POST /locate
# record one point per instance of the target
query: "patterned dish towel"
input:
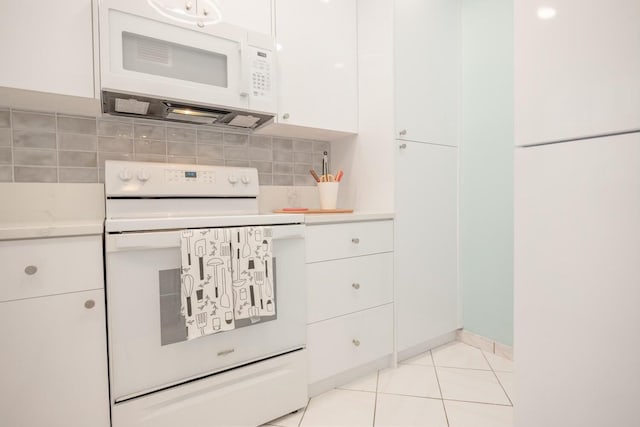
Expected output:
(226, 277)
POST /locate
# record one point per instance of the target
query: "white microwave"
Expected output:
(146, 52)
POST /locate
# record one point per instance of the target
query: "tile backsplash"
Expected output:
(51, 147)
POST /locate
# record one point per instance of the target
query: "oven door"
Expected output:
(147, 345)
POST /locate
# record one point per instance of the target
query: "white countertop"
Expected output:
(31, 211)
(311, 219)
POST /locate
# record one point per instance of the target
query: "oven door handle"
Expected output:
(171, 239)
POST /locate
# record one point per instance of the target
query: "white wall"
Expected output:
(486, 169)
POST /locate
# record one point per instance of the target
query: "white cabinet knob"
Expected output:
(356, 342)
(245, 180)
(125, 175)
(286, 116)
(402, 146)
(205, 12)
(355, 240)
(232, 179)
(355, 286)
(200, 23)
(31, 270)
(188, 5)
(403, 132)
(89, 304)
(143, 175)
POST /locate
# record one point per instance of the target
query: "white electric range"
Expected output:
(158, 378)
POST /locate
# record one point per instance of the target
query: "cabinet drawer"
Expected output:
(334, 241)
(33, 268)
(345, 342)
(343, 286)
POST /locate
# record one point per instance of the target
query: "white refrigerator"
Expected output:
(577, 213)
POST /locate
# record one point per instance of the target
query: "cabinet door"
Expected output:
(427, 70)
(317, 56)
(577, 247)
(47, 46)
(53, 362)
(577, 68)
(426, 243)
(254, 15)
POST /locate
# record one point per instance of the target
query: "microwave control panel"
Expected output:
(261, 63)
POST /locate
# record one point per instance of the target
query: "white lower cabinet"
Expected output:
(53, 362)
(346, 342)
(349, 297)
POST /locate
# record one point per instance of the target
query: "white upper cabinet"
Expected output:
(577, 69)
(47, 46)
(254, 15)
(427, 70)
(317, 56)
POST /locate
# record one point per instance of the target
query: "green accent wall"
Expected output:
(486, 165)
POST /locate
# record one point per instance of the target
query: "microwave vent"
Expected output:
(152, 50)
(131, 106)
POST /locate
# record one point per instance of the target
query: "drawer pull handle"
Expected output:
(355, 286)
(356, 342)
(355, 240)
(31, 270)
(89, 304)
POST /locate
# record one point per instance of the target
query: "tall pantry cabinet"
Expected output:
(427, 65)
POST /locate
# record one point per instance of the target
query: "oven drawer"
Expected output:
(334, 241)
(247, 396)
(344, 286)
(40, 267)
(345, 342)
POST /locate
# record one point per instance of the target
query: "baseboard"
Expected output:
(427, 345)
(349, 376)
(485, 344)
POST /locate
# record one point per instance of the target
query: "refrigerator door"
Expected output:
(577, 283)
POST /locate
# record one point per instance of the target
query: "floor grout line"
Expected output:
(444, 408)
(375, 403)
(498, 379)
(304, 412)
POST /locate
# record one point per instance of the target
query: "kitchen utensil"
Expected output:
(201, 249)
(199, 294)
(325, 163)
(257, 234)
(238, 258)
(328, 178)
(228, 317)
(259, 279)
(215, 262)
(201, 322)
(246, 249)
(187, 289)
(253, 310)
(314, 175)
(225, 249)
(266, 272)
(188, 234)
(224, 297)
(252, 265)
(339, 175)
(269, 306)
(328, 192)
(216, 323)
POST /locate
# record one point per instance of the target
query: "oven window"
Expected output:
(166, 59)
(173, 328)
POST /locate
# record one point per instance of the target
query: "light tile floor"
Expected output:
(455, 385)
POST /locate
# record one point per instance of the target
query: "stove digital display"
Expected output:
(190, 174)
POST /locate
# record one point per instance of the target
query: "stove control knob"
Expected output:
(246, 180)
(125, 175)
(232, 179)
(143, 175)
